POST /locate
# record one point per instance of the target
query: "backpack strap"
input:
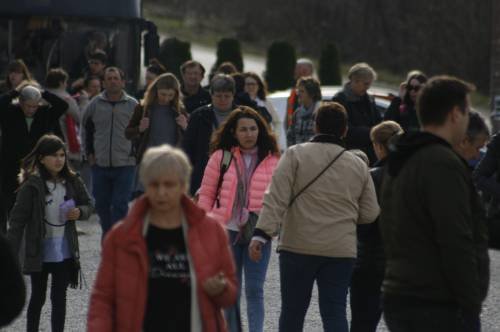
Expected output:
(227, 157)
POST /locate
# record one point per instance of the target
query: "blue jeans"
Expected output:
(112, 189)
(255, 275)
(297, 275)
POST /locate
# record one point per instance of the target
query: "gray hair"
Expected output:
(305, 61)
(30, 93)
(222, 83)
(164, 159)
(362, 71)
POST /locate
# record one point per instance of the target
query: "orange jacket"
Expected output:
(119, 296)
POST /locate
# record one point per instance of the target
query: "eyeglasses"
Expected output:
(416, 88)
(94, 62)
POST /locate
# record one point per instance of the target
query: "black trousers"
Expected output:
(60, 273)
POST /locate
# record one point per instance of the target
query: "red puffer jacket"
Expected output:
(259, 182)
(119, 296)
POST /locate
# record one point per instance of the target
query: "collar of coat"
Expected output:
(134, 222)
(323, 138)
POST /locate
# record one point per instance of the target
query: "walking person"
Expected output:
(403, 110)
(50, 200)
(257, 91)
(361, 109)
(108, 151)
(434, 236)
(160, 119)
(166, 266)
(22, 124)
(232, 191)
(301, 128)
(368, 274)
(194, 95)
(318, 194)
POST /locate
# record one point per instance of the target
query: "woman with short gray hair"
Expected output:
(178, 258)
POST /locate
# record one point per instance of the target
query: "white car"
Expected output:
(279, 99)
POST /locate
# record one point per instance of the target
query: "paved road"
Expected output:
(90, 248)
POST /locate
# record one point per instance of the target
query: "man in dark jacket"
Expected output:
(202, 123)
(436, 275)
(22, 125)
(195, 96)
(361, 109)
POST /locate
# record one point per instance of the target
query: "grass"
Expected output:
(208, 34)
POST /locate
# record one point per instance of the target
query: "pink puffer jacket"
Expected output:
(259, 182)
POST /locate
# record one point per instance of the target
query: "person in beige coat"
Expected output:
(318, 194)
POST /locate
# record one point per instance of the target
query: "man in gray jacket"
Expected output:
(108, 151)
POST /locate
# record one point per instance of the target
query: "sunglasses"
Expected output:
(416, 88)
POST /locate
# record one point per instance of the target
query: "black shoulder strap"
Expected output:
(314, 180)
(227, 156)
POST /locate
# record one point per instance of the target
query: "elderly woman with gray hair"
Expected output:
(360, 106)
(22, 124)
(166, 266)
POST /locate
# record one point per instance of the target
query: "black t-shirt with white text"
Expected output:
(169, 293)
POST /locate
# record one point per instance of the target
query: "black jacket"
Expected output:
(11, 284)
(362, 116)
(432, 225)
(17, 140)
(193, 102)
(370, 246)
(405, 115)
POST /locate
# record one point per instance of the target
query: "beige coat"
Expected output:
(322, 220)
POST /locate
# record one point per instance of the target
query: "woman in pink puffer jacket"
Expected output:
(251, 155)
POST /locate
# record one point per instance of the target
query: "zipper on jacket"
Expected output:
(111, 135)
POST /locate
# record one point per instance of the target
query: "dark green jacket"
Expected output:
(432, 225)
(28, 214)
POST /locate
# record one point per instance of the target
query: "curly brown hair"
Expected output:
(223, 138)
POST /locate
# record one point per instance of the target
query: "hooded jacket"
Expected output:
(432, 225)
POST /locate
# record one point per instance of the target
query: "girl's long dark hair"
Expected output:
(223, 137)
(46, 146)
(422, 79)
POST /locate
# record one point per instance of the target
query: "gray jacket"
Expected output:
(28, 213)
(105, 123)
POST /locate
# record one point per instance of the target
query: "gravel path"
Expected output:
(90, 248)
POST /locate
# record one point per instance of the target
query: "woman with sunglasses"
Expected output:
(403, 110)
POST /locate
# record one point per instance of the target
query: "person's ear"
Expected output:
(344, 134)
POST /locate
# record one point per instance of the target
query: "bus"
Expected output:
(62, 33)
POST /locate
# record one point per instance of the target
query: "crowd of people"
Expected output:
(396, 210)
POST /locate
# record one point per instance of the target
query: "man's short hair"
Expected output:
(362, 71)
(115, 70)
(331, 119)
(192, 64)
(438, 98)
(222, 83)
(99, 56)
(55, 77)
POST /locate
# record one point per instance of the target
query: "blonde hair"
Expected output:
(384, 132)
(362, 71)
(164, 81)
(164, 159)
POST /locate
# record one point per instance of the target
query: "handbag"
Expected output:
(246, 232)
(314, 179)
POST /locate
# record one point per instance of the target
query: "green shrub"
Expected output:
(329, 65)
(229, 50)
(173, 53)
(280, 66)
